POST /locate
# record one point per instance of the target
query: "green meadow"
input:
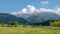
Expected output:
(30, 30)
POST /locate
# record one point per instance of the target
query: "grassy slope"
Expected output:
(28, 30)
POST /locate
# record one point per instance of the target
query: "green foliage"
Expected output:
(15, 23)
(55, 23)
(36, 24)
(46, 23)
(25, 24)
(2, 24)
(11, 24)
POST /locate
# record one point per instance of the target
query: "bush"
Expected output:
(36, 24)
(11, 24)
(46, 23)
(15, 24)
(2, 24)
(55, 23)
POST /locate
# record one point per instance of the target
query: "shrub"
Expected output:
(36, 24)
(46, 23)
(2, 24)
(15, 23)
(11, 24)
(55, 23)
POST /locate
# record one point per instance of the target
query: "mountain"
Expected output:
(35, 18)
(40, 17)
(50, 15)
(5, 17)
(22, 18)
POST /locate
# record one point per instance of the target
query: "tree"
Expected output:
(2, 24)
(36, 24)
(9, 24)
(25, 24)
(13, 23)
(55, 23)
(46, 23)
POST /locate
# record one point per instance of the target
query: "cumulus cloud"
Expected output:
(57, 11)
(29, 10)
(44, 2)
(24, 10)
(32, 10)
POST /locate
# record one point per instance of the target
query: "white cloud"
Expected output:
(24, 10)
(44, 2)
(29, 10)
(32, 10)
(45, 10)
(57, 11)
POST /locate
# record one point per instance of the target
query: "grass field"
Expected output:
(29, 30)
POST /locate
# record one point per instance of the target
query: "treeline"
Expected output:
(55, 23)
(10, 24)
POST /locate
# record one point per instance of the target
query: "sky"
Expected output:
(23, 6)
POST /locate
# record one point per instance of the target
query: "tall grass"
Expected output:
(29, 30)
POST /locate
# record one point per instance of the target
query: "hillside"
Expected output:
(5, 18)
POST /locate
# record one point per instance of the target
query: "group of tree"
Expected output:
(55, 23)
(13, 24)
(10, 24)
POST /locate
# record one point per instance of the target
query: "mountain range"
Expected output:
(5, 17)
(22, 18)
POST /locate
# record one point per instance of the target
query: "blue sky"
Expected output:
(7, 6)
